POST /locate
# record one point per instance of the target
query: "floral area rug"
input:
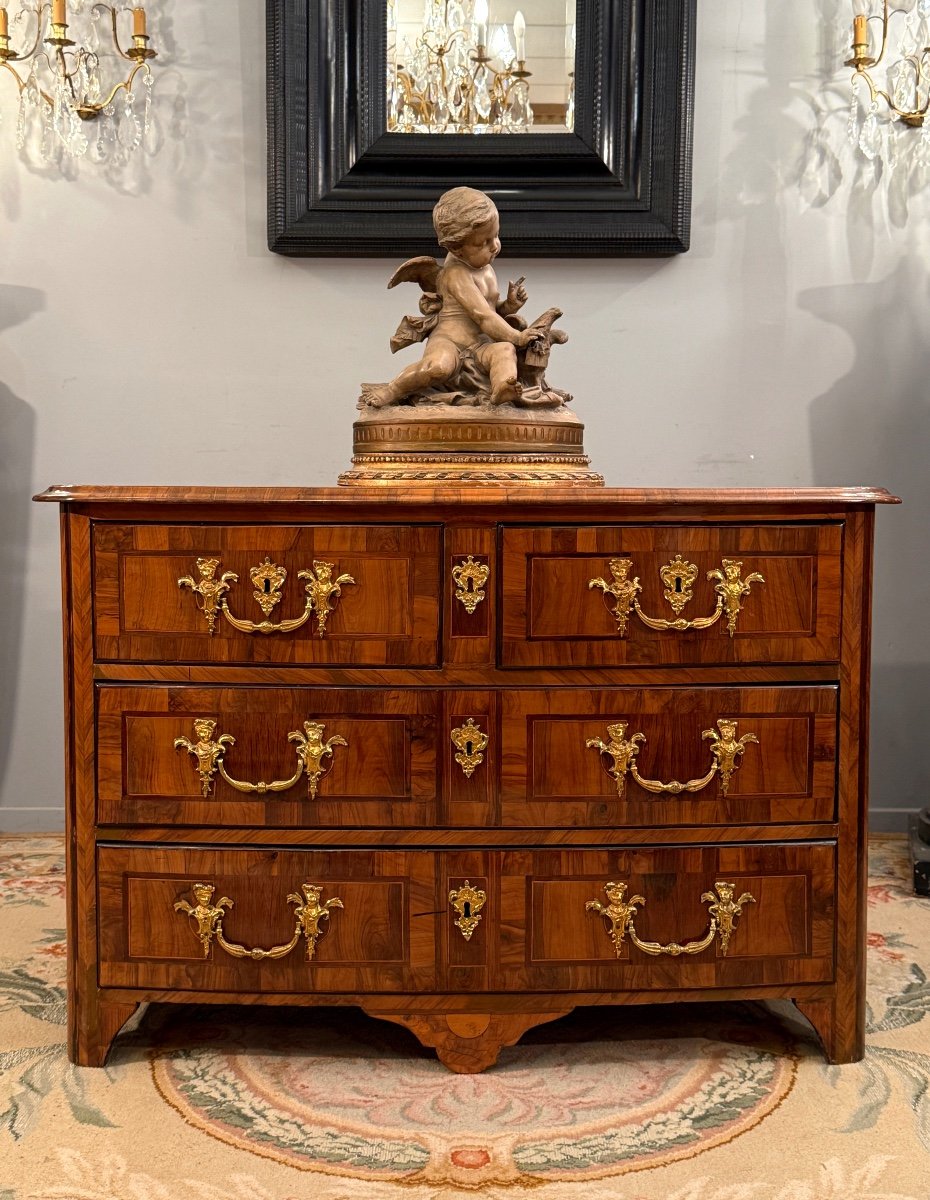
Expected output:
(688, 1102)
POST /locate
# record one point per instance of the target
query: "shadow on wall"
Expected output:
(17, 443)
(873, 426)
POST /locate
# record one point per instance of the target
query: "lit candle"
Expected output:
(481, 20)
(138, 22)
(59, 12)
(860, 30)
(519, 36)
(4, 23)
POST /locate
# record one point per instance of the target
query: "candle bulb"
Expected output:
(4, 23)
(860, 31)
(59, 12)
(138, 22)
(519, 35)
(481, 20)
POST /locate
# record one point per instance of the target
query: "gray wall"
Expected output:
(149, 337)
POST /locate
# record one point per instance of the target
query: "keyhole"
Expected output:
(677, 583)
(467, 908)
(267, 587)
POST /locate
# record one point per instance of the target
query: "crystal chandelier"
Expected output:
(890, 99)
(59, 80)
(457, 79)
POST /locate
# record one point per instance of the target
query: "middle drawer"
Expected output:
(428, 758)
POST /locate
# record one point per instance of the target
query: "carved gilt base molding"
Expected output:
(410, 447)
(414, 469)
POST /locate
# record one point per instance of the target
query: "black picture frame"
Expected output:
(620, 185)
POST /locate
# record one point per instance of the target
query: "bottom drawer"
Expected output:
(406, 921)
(647, 918)
(206, 920)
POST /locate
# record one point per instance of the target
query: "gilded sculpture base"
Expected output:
(431, 445)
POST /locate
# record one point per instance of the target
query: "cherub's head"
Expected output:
(314, 732)
(203, 892)
(467, 224)
(203, 728)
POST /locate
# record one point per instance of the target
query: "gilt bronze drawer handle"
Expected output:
(469, 741)
(678, 576)
(468, 903)
(208, 918)
(469, 578)
(321, 594)
(725, 751)
(619, 916)
(312, 753)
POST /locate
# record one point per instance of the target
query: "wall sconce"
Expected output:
(905, 100)
(59, 81)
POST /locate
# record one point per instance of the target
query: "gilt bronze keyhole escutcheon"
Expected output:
(469, 742)
(470, 578)
(467, 901)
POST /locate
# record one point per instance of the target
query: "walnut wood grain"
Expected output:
(382, 940)
(466, 1043)
(456, 836)
(386, 774)
(552, 618)
(534, 932)
(486, 494)
(538, 825)
(388, 616)
(549, 775)
(550, 943)
(466, 676)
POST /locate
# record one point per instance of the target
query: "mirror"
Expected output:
(610, 176)
(480, 66)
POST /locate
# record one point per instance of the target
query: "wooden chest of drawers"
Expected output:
(467, 760)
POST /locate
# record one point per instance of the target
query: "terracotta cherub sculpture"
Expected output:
(478, 351)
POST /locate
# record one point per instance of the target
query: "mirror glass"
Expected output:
(480, 66)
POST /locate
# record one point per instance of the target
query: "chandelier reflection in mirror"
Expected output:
(890, 95)
(68, 107)
(457, 72)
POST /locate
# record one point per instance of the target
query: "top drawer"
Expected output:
(288, 594)
(604, 596)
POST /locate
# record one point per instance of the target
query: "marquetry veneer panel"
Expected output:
(383, 939)
(388, 617)
(386, 773)
(552, 618)
(551, 776)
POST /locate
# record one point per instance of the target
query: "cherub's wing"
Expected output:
(423, 270)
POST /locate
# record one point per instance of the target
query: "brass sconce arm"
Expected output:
(863, 63)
